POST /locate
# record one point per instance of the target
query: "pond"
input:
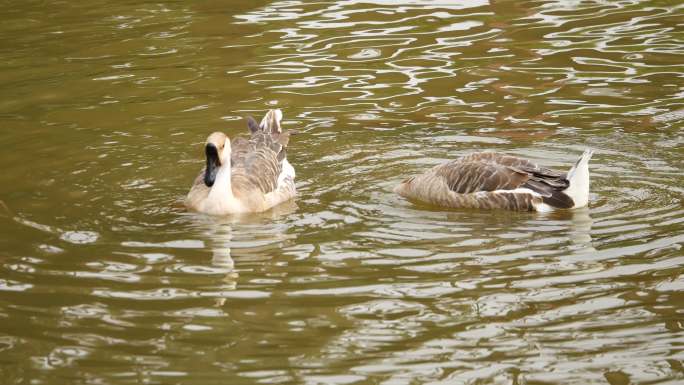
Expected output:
(106, 278)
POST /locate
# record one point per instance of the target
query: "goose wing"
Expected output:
(465, 177)
(510, 161)
(257, 162)
(489, 172)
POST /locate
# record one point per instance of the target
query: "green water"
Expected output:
(106, 279)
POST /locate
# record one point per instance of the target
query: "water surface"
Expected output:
(105, 278)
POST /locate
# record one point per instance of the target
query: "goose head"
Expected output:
(217, 150)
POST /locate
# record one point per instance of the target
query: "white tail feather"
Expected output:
(578, 176)
(271, 121)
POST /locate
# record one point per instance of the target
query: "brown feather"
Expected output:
(255, 164)
(466, 177)
(252, 124)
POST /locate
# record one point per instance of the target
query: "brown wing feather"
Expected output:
(466, 177)
(511, 161)
(488, 171)
(548, 183)
(257, 162)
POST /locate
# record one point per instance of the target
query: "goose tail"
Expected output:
(271, 121)
(578, 176)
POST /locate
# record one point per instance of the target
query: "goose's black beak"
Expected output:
(213, 164)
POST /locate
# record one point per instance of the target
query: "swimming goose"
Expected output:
(245, 175)
(488, 180)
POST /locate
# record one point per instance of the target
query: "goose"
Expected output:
(245, 175)
(489, 180)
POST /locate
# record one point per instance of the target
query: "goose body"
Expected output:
(488, 180)
(245, 175)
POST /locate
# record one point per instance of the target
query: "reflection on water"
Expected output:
(105, 278)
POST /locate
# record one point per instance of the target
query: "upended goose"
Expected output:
(245, 175)
(489, 180)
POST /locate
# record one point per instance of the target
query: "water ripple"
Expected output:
(105, 277)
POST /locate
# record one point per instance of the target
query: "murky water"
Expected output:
(104, 278)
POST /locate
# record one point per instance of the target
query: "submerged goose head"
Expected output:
(217, 150)
(403, 187)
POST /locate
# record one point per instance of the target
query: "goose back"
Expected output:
(256, 164)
